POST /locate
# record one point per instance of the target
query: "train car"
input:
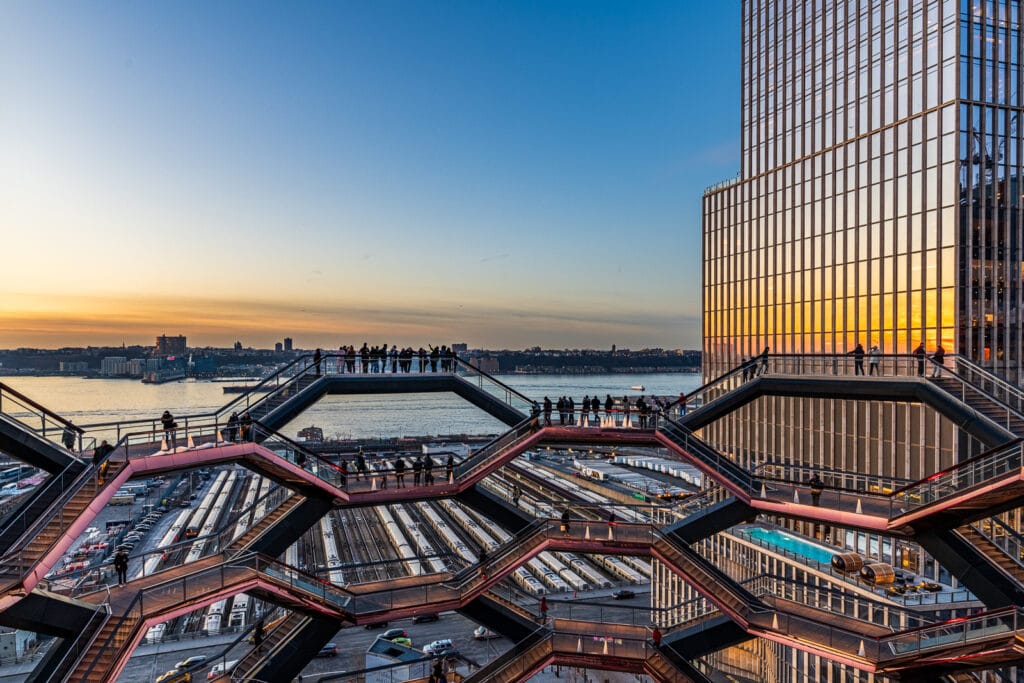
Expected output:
(425, 548)
(400, 542)
(585, 569)
(220, 495)
(330, 546)
(214, 617)
(522, 576)
(239, 610)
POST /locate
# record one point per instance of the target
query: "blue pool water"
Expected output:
(791, 543)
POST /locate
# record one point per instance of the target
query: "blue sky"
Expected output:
(505, 174)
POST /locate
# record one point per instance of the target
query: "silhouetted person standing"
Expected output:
(258, 634)
(428, 470)
(121, 567)
(232, 430)
(417, 470)
(817, 486)
(360, 466)
(939, 358)
(921, 354)
(317, 358)
(874, 355)
(68, 438)
(167, 420)
(245, 422)
(858, 359)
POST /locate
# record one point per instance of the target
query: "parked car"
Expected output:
(438, 646)
(375, 624)
(221, 668)
(623, 594)
(426, 618)
(190, 662)
(393, 633)
(483, 633)
(174, 676)
(328, 650)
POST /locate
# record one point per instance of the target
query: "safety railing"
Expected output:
(214, 543)
(641, 412)
(41, 421)
(722, 464)
(290, 379)
(270, 387)
(196, 585)
(487, 383)
(976, 384)
(697, 610)
(853, 579)
(775, 591)
(1003, 536)
(835, 479)
(515, 663)
(990, 383)
(17, 561)
(883, 646)
(960, 631)
(993, 464)
(706, 393)
(53, 490)
(840, 364)
(853, 493)
(200, 436)
(485, 456)
(613, 640)
(81, 644)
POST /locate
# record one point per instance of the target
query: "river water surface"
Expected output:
(88, 401)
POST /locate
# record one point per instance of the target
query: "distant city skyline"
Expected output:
(503, 175)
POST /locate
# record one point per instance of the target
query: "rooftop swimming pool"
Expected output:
(793, 544)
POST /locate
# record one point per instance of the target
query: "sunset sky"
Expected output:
(506, 174)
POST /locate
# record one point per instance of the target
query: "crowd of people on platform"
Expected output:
(379, 359)
(422, 468)
(590, 409)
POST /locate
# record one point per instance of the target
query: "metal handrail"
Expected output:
(494, 446)
(224, 533)
(54, 482)
(73, 653)
(989, 376)
(827, 568)
(465, 363)
(905, 495)
(86, 475)
(6, 388)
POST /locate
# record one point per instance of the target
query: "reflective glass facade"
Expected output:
(878, 202)
(878, 199)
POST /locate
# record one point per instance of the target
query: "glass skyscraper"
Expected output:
(878, 202)
(878, 198)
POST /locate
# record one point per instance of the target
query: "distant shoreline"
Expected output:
(518, 371)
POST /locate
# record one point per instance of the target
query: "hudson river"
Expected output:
(88, 401)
